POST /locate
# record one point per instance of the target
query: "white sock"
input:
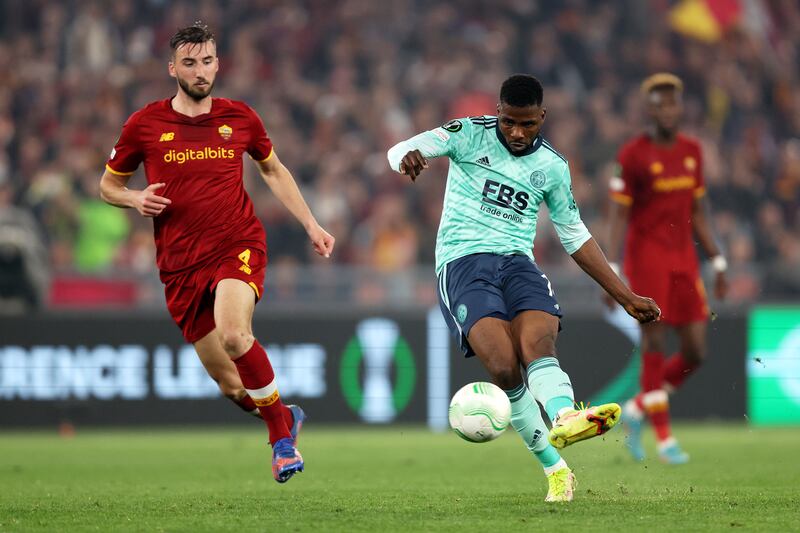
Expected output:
(561, 412)
(666, 443)
(632, 410)
(556, 467)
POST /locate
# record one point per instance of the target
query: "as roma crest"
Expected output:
(656, 167)
(225, 131)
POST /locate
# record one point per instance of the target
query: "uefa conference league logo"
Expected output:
(379, 345)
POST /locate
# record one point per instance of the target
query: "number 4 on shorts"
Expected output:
(244, 257)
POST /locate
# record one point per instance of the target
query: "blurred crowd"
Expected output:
(337, 83)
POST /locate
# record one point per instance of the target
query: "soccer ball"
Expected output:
(479, 412)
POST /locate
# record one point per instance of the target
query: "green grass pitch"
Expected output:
(390, 479)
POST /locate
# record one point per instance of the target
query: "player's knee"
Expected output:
(538, 346)
(235, 341)
(654, 338)
(694, 355)
(654, 344)
(505, 377)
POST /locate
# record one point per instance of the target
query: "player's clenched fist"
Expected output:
(148, 203)
(412, 164)
(322, 240)
(643, 309)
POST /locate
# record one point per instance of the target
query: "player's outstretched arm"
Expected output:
(113, 191)
(410, 157)
(283, 186)
(591, 259)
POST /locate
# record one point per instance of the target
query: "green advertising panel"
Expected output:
(773, 366)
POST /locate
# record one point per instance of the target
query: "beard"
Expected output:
(195, 93)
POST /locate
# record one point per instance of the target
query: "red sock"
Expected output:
(288, 417)
(259, 380)
(652, 374)
(654, 399)
(248, 405)
(677, 369)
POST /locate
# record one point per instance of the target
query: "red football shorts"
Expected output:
(190, 294)
(680, 295)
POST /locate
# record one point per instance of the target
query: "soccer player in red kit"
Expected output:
(211, 248)
(659, 195)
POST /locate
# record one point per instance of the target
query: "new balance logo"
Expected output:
(484, 161)
(169, 136)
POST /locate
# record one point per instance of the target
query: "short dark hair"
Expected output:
(522, 90)
(197, 33)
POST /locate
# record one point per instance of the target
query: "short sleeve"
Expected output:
(564, 213)
(127, 154)
(457, 137)
(260, 146)
(621, 184)
(559, 198)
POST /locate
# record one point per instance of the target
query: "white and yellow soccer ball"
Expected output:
(479, 412)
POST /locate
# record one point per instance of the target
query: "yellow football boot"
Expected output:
(562, 486)
(581, 424)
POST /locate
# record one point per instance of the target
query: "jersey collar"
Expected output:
(537, 142)
(187, 118)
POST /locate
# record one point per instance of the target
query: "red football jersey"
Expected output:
(200, 160)
(660, 183)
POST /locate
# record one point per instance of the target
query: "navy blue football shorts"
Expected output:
(490, 285)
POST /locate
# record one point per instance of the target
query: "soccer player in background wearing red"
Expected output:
(659, 195)
(211, 248)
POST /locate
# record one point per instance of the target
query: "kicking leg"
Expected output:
(233, 312)
(490, 339)
(535, 333)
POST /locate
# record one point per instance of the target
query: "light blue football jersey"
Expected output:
(492, 199)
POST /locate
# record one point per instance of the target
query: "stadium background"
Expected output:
(337, 84)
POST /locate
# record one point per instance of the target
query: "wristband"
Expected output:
(719, 263)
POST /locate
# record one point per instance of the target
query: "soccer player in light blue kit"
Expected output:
(494, 298)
